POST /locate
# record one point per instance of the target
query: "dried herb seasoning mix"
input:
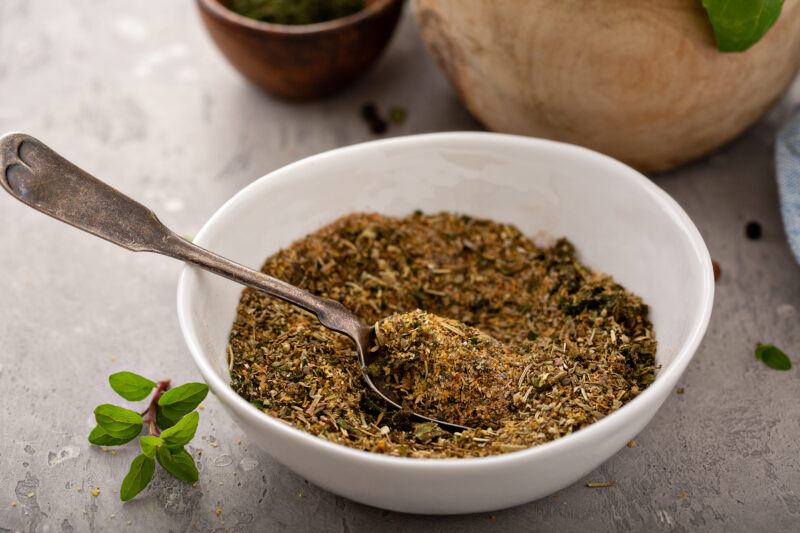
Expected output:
(476, 325)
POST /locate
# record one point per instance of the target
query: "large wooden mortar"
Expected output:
(639, 80)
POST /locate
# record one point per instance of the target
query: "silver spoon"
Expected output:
(39, 177)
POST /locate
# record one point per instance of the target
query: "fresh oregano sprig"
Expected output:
(171, 422)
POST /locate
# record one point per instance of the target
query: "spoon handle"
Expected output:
(39, 177)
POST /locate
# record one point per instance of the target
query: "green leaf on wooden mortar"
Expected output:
(739, 24)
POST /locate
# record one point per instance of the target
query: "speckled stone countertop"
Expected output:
(136, 93)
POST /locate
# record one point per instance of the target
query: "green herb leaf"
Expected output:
(130, 386)
(182, 400)
(117, 421)
(163, 420)
(739, 24)
(99, 437)
(183, 432)
(773, 357)
(138, 477)
(178, 463)
(295, 11)
(397, 115)
(149, 445)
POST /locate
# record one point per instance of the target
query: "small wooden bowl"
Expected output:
(305, 61)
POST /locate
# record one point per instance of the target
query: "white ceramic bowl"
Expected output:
(620, 222)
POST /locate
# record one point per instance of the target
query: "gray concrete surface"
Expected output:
(136, 93)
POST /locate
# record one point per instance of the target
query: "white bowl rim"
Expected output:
(663, 379)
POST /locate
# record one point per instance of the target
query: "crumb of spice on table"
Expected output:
(588, 343)
(600, 484)
(397, 115)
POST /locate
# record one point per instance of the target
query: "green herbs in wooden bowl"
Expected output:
(295, 11)
(301, 49)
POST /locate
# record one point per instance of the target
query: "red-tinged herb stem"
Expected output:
(150, 413)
